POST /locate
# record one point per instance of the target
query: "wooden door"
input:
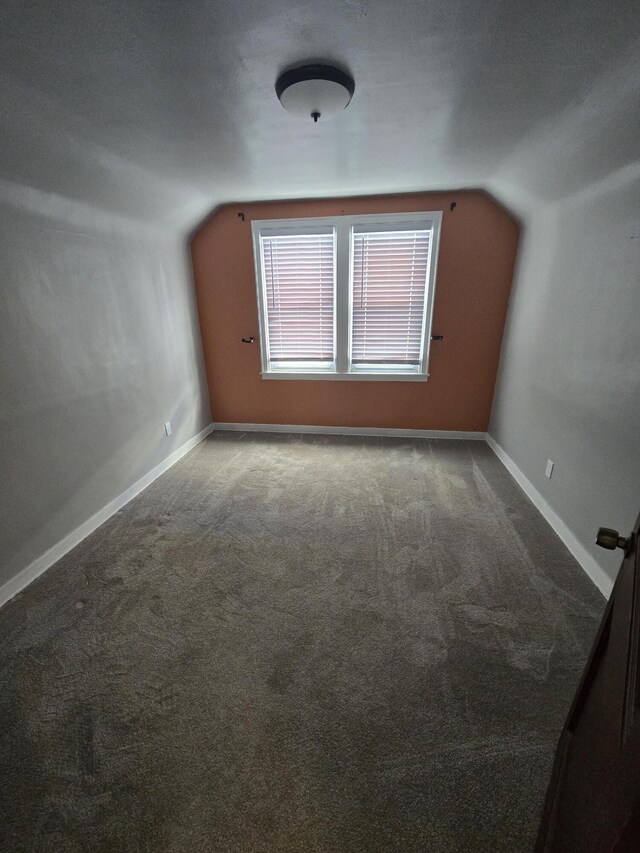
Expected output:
(593, 800)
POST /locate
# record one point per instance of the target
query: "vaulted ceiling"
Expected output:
(162, 110)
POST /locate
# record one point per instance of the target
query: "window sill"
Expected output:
(359, 376)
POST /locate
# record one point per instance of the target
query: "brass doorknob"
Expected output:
(611, 539)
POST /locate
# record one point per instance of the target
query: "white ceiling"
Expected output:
(163, 110)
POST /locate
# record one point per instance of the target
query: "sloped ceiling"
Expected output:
(163, 110)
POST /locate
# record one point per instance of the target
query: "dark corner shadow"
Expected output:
(495, 113)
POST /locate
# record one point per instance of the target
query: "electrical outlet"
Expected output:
(549, 469)
(167, 427)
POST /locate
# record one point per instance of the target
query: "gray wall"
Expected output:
(569, 381)
(99, 346)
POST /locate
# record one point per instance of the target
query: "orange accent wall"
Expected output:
(478, 245)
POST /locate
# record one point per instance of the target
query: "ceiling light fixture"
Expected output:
(315, 91)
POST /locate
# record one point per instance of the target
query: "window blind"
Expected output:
(299, 285)
(389, 284)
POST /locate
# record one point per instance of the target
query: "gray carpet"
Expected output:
(296, 644)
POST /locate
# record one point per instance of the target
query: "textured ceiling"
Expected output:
(163, 110)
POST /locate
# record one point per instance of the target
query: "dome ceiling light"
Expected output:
(315, 91)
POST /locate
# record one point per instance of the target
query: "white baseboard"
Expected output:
(365, 431)
(41, 564)
(599, 577)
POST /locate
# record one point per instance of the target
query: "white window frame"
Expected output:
(343, 228)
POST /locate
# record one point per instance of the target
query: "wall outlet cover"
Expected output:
(167, 427)
(548, 471)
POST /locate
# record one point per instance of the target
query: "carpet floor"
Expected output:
(296, 643)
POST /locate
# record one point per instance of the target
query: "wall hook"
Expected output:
(248, 340)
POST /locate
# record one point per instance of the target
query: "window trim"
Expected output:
(343, 226)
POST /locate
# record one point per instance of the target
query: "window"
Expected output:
(346, 297)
